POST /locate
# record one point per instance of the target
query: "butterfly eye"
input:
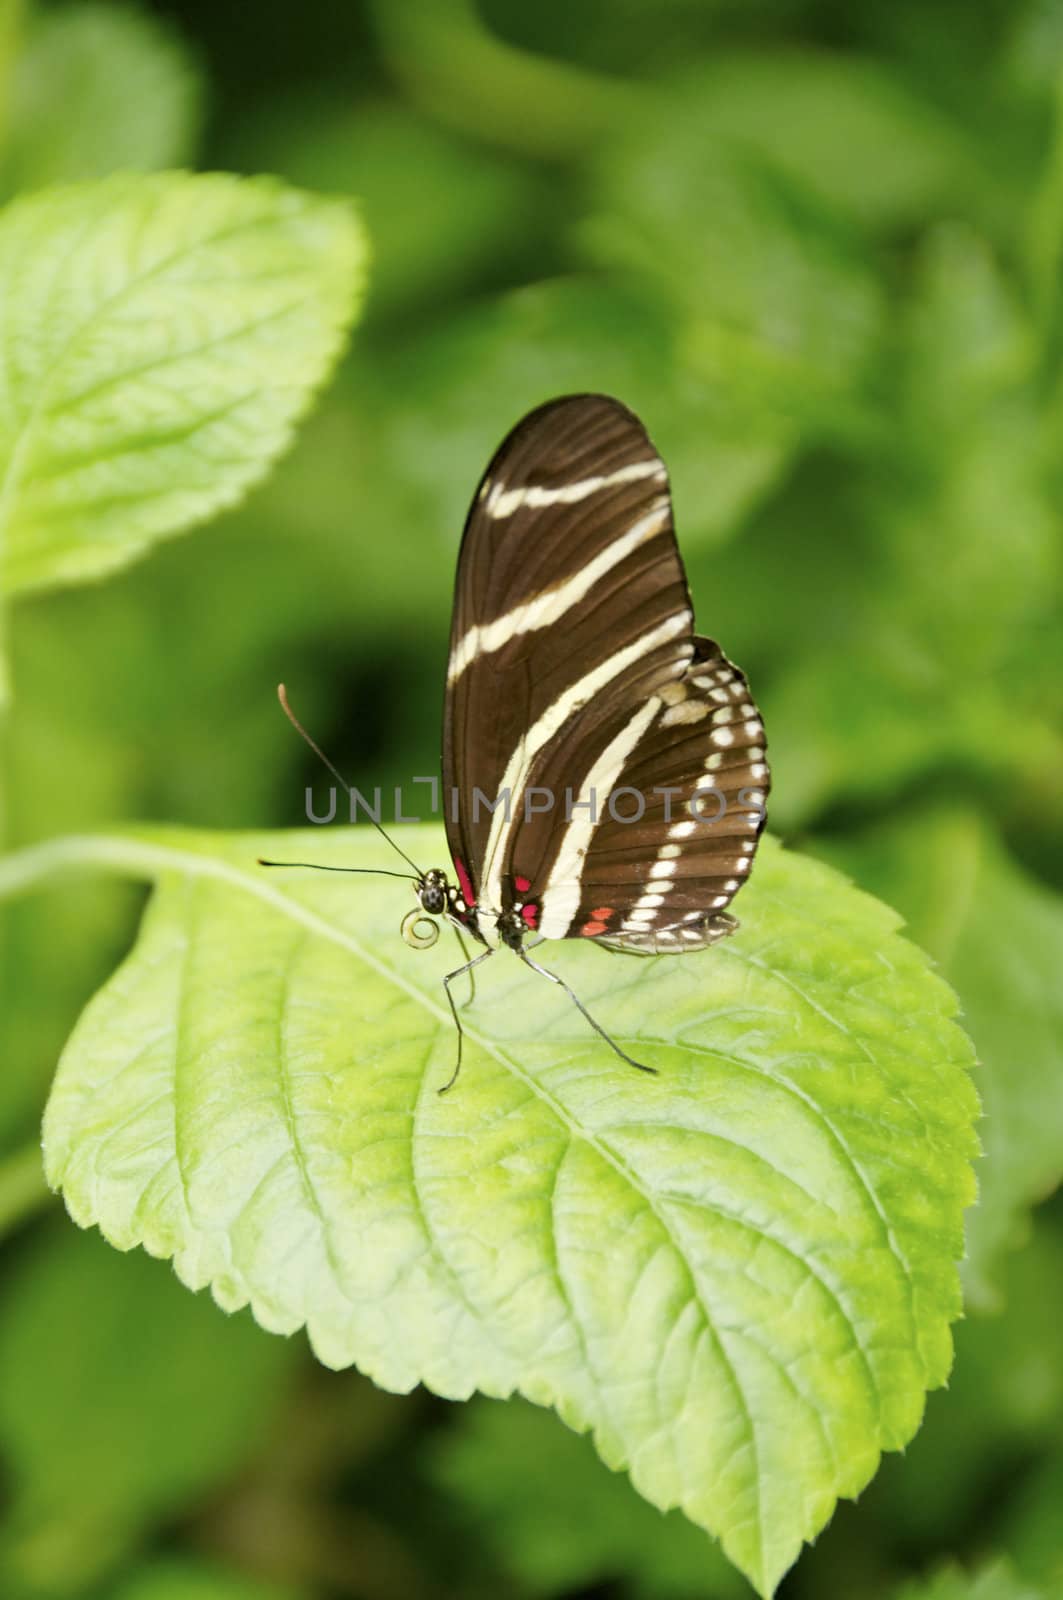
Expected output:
(433, 899)
(419, 931)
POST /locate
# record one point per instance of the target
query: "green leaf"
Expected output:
(163, 334)
(1032, 1524)
(995, 1582)
(868, 584)
(998, 937)
(186, 1580)
(448, 395)
(569, 1525)
(739, 1275)
(11, 25)
(65, 120)
(443, 214)
(465, 77)
(103, 1360)
(782, 311)
(1002, 1409)
(846, 127)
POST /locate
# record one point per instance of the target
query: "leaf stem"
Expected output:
(460, 74)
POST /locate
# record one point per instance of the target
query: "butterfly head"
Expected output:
(420, 930)
(432, 891)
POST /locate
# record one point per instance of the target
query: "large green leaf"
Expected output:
(739, 1274)
(998, 936)
(65, 120)
(162, 335)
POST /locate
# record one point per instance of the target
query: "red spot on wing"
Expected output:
(523, 885)
(602, 914)
(591, 929)
(530, 913)
(467, 892)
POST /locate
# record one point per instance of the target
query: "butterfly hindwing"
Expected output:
(668, 857)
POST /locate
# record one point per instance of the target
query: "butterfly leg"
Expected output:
(469, 964)
(447, 981)
(578, 1003)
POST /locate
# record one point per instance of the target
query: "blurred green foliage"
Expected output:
(818, 248)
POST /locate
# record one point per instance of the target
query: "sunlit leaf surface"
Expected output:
(739, 1275)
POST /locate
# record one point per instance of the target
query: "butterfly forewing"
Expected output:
(570, 603)
(574, 673)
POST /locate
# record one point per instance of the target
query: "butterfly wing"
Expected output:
(574, 672)
(570, 598)
(667, 859)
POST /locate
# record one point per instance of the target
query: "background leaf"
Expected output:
(162, 335)
(181, 1580)
(569, 1525)
(65, 122)
(847, 128)
(995, 1582)
(101, 1431)
(232, 1100)
(997, 936)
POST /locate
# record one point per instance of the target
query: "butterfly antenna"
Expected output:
(282, 696)
(320, 866)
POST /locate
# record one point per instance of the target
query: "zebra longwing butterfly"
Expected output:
(604, 767)
(623, 753)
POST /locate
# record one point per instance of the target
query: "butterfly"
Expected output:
(604, 766)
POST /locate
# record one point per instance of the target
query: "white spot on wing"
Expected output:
(686, 711)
